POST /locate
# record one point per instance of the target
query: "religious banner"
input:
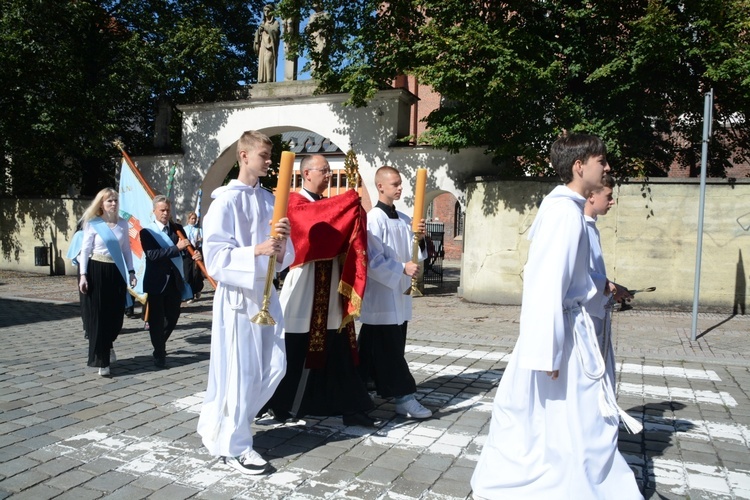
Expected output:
(136, 208)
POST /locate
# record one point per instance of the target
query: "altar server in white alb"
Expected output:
(554, 425)
(386, 310)
(247, 360)
(600, 306)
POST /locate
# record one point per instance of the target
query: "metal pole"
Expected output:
(707, 119)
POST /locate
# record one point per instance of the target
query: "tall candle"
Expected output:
(286, 166)
(419, 198)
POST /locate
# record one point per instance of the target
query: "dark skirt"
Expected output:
(335, 389)
(382, 350)
(106, 307)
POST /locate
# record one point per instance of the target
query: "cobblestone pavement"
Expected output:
(65, 432)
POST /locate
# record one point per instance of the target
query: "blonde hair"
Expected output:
(250, 140)
(95, 209)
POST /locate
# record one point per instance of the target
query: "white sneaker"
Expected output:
(248, 463)
(104, 372)
(413, 409)
(112, 356)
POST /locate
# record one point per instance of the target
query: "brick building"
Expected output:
(444, 208)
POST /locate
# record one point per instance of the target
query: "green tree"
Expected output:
(76, 74)
(516, 74)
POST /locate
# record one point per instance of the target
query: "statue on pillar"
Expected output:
(291, 39)
(319, 28)
(266, 45)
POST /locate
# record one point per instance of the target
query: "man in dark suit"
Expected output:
(163, 280)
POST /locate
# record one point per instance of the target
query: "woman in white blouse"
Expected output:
(106, 267)
(192, 273)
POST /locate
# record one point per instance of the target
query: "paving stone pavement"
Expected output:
(65, 432)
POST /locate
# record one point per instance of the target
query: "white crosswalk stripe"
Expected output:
(681, 477)
(625, 388)
(699, 429)
(676, 394)
(669, 475)
(668, 371)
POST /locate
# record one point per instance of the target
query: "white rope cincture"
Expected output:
(632, 425)
(608, 406)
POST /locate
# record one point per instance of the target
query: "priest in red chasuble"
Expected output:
(321, 297)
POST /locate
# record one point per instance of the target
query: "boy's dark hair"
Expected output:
(571, 148)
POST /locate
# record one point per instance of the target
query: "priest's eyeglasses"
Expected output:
(324, 171)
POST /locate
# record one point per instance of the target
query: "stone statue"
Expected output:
(291, 27)
(318, 29)
(266, 45)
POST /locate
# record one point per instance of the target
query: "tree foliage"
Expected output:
(76, 74)
(514, 75)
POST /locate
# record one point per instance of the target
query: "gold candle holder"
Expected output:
(264, 315)
(413, 290)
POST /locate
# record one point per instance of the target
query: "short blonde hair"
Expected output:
(251, 139)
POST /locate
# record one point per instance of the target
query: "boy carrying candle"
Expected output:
(385, 308)
(247, 359)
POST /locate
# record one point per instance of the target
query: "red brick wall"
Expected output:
(443, 210)
(429, 100)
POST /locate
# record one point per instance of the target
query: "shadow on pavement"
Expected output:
(659, 427)
(145, 363)
(21, 312)
(717, 325)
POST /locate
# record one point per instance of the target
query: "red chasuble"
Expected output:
(323, 230)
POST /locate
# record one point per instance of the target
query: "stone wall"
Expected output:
(649, 239)
(29, 223)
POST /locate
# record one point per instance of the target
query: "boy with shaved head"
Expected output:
(385, 308)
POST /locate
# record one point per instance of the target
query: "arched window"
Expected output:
(458, 221)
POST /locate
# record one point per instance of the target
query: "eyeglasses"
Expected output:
(324, 171)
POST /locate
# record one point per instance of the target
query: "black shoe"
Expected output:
(160, 363)
(281, 415)
(359, 418)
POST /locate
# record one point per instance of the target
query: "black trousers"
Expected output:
(163, 313)
(382, 351)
